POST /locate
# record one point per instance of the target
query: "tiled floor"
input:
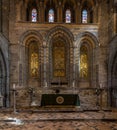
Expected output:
(58, 120)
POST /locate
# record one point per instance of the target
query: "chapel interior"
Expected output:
(58, 53)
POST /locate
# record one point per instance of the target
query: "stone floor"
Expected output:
(53, 119)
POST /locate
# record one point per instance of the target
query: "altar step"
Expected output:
(50, 109)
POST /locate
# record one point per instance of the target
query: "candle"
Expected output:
(13, 86)
(73, 84)
(45, 84)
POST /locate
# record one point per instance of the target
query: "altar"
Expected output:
(60, 100)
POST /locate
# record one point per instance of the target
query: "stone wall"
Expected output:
(98, 35)
(89, 100)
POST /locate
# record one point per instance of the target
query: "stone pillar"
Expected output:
(71, 72)
(45, 61)
(59, 12)
(77, 12)
(80, 15)
(41, 12)
(75, 66)
(95, 14)
(13, 59)
(103, 41)
(115, 20)
(24, 13)
(0, 15)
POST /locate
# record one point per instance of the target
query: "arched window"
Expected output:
(33, 59)
(51, 16)
(84, 62)
(68, 16)
(84, 16)
(34, 15)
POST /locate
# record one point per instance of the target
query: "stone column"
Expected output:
(41, 12)
(59, 12)
(80, 14)
(45, 61)
(75, 68)
(13, 59)
(103, 39)
(0, 15)
(24, 13)
(95, 14)
(77, 12)
(115, 19)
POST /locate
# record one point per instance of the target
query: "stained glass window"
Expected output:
(34, 62)
(51, 15)
(68, 16)
(83, 62)
(34, 15)
(84, 16)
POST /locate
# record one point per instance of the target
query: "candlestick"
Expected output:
(73, 84)
(13, 86)
(46, 84)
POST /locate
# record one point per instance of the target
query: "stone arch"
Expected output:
(66, 37)
(91, 43)
(88, 36)
(4, 71)
(31, 34)
(112, 74)
(25, 40)
(60, 31)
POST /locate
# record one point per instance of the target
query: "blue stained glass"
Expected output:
(68, 16)
(34, 15)
(84, 16)
(51, 15)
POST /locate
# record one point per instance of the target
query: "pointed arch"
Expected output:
(62, 31)
(50, 11)
(89, 36)
(86, 47)
(31, 44)
(31, 34)
(68, 11)
(60, 47)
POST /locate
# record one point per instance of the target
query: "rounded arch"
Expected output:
(28, 35)
(90, 42)
(60, 31)
(27, 51)
(86, 36)
(60, 38)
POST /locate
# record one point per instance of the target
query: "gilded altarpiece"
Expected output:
(33, 60)
(83, 62)
(59, 59)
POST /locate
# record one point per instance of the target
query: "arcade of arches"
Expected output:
(70, 45)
